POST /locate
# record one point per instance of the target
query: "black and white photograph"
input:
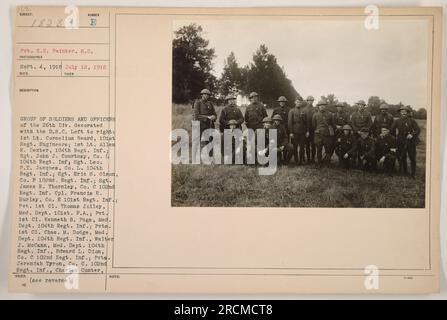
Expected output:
(347, 105)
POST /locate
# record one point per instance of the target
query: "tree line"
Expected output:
(192, 67)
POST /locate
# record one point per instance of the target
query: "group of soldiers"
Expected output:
(312, 134)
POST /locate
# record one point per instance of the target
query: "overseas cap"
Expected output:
(347, 127)
(232, 122)
(282, 99)
(384, 106)
(267, 119)
(310, 98)
(229, 97)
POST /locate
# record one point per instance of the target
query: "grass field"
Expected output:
(304, 186)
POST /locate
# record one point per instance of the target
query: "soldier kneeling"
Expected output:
(284, 148)
(386, 151)
(346, 147)
(366, 149)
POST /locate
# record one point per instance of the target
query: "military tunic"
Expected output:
(366, 149)
(385, 146)
(381, 120)
(230, 112)
(283, 112)
(361, 119)
(346, 144)
(202, 110)
(341, 118)
(298, 125)
(324, 132)
(254, 114)
(401, 128)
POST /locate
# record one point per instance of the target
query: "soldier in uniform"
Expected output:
(204, 112)
(299, 129)
(341, 118)
(266, 125)
(282, 110)
(366, 150)
(386, 151)
(237, 147)
(310, 144)
(323, 123)
(361, 118)
(255, 112)
(384, 118)
(407, 131)
(283, 146)
(230, 112)
(346, 147)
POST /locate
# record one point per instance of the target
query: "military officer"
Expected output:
(384, 118)
(283, 146)
(341, 118)
(366, 150)
(230, 112)
(310, 144)
(324, 130)
(299, 129)
(386, 151)
(282, 110)
(361, 118)
(204, 112)
(407, 131)
(255, 112)
(346, 147)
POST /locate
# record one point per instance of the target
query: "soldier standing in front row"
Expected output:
(386, 151)
(346, 147)
(230, 112)
(323, 123)
(384, 118)
(204, 112)
(407, 133)
(366, 149)
(298, 128)
(282, 110)
(255, 112)
(310, 144)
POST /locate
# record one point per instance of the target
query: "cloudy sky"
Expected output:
(328, 56)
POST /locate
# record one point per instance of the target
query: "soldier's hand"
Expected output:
(382, 159)
(291, 135)
(346, 156)
(213, 117)
(281, 148)
(307, 134)
(409, 136)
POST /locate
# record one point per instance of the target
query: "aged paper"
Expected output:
(99, 204)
